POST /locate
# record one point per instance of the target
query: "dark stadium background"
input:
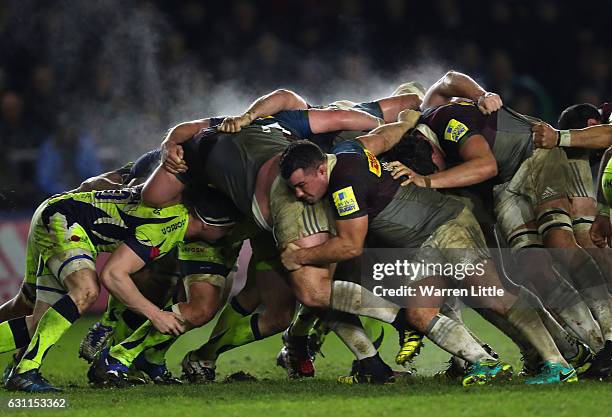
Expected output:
(86, 86)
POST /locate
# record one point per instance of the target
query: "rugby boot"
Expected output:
(94, 341)
(371, 370)
(158, 373)
(197, 371)
(601, 365)
(30, 381)
(410, 342)
(483, 372)
(297, 360)
(553, 373)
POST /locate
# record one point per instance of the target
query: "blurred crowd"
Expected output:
(86, 86)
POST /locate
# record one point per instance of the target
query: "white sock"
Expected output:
(454, 338)
(353, 298)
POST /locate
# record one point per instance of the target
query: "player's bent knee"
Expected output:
(311, 299)
(85, 296)
(197, 316)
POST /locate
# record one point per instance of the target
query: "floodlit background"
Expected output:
(86, 86)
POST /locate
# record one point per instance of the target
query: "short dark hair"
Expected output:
(300, 154)
(414, 152)
(577, 116)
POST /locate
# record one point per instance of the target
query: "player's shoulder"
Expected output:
(357, 159)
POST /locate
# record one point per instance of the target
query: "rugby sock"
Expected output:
(349, 329)
(601, 308)
(525, 317)
(452, 309)
(244, 331)
(374, 329)
(353, 298)
(566, 343)
(14, 334)
(320, 331)
(454, 338)
(113, 312)
(567, 304)
(303, 322)
(531, 356)
(125, 326)
(145, 337)
(231, 314)
(591, 284)
(157, 354)
(52, 325)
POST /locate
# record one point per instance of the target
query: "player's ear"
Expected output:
(593, 122)
(322, 169)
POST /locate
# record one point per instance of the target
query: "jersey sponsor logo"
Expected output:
(455, 130)
(373, 163)
(345, 201)
(173, 227)
(115, 195)
(276, 125)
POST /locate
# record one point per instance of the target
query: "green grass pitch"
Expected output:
(273, 395)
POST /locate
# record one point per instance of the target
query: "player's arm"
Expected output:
(601, 229)
(267, 105)
(479, 165)
(592, 137)
(347, 244)
(392, 106)
(385, 137)
(456, 84)
(162, 189)
(116, 278)
(172, 153)
(331, 120)
(111, 180)
(107, 181)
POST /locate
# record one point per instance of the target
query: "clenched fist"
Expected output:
(544, 135)
(489, 103)
(409, 116)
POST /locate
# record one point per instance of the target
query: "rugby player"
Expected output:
(530, 192)
(204, 269)
(369, 202)
(68, 233)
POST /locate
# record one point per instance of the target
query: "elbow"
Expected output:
(290, 99)
(85, 186)
(285, 95)
(107, 278)
(448, 78)
(283, 92)
(490, 169)
(354, 251)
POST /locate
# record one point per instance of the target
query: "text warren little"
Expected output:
(431, 291)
